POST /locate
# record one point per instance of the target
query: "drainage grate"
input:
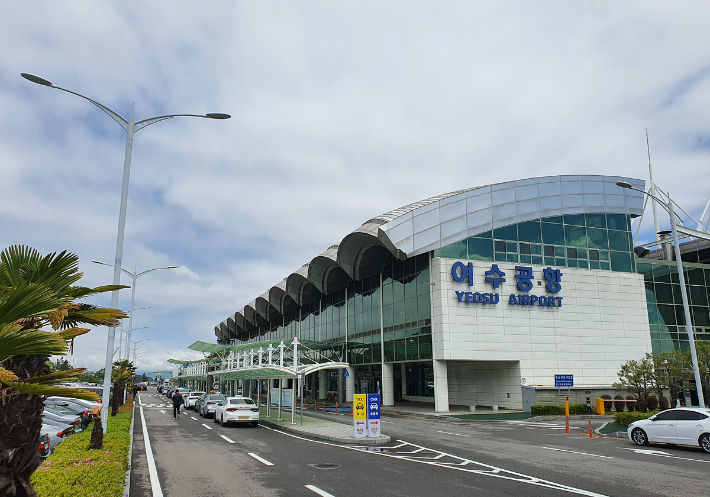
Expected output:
(325, 465)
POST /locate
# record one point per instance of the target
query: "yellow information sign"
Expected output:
(360, 406)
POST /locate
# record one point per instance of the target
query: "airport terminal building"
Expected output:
(479, 296)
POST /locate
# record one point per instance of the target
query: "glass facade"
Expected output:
(665, 306)
(589, 241)
(393, 308)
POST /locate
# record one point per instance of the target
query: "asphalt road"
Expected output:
(426, 457)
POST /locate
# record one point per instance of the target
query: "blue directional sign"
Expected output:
(373, 415)
(564, 380)
(346, 374)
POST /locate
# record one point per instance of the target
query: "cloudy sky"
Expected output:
(341, 111)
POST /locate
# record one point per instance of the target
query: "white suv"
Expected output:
(191, 398)
(683, 425)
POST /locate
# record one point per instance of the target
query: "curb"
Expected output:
(383, 439)
(127, 481)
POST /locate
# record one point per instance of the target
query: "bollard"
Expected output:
(324, 405)
(336, 406)
(566, 425)
(590, 429)
(315, 405)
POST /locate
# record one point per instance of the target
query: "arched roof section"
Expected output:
(261, 304)
(360, 252)
(239, 321)
(250, 313)
(440, 221)
(326, 274)
(218, 333)
(231, 327)
(223, 328)
(300, 289)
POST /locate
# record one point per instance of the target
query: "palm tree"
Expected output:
(36, 291)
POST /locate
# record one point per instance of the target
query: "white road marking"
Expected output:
(162, 411)
(456, 434)
(389, 422)
(194, 419)
(458, 464)
(208, 427)
(154, 481)
(660, 453)
(261, 459)
(228, 439)
(317, 490)
(575, 452)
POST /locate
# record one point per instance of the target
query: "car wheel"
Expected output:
(705, 443)
(639, 436)
(215, 417)
(255, 424)
(221, 421)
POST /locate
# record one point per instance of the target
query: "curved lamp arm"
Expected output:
(116, 117)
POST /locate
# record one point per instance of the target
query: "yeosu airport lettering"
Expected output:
(461, 272)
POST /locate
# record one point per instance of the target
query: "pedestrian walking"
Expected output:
(177, 402)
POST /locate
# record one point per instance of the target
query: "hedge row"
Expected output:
(75, 471)
(626, 418)
(558, 410)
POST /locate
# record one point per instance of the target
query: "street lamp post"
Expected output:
(134, 278)
(120, 339)
(130, 126)
(681, 279)
(135, 348)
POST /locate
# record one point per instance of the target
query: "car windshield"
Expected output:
(216, 397)
(241, 401)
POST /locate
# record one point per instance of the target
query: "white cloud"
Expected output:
(341, 111)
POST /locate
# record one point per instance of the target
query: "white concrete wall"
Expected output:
(485, 383)
(603, 322)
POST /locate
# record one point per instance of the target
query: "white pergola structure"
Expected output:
(267, 360)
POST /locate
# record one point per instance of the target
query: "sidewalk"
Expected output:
(320, 429)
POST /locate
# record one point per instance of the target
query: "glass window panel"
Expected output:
(556, 219)
(604, 265)
(653, 317)
(549, 251)
(664, 293)
(603, 255)
(530, 231)
(425, 348)
(571, 262)
(537, 260)
(487, 234)
(410, 289)
(666, 313)
(571, 253)
(423, 307)
(458, 250)
(506, 233)
(501, 257)
(576, 236)
(621, 261)
(593, 255)
(387, 315)
(698, 295)
(480, 249)
(617, 222)
(511, 247)
(358, 323)
(677, 296)
(399, 312)
(512, 258)
(398, 291)
(576, 219)
(526, 259)
(376, 351)
(593, 265)
(560, 262)
(366, 302)
(389, 351)
(422, 278)
(499, 246)
(553, 234)
(410, 310)
(582, 263)
(412, 348)
(680, 315)
(367, 323)
(550, 261)
(596, 220)
(400, 351)
(525, 248)
(694, 275)
(700, 316)
(620, 240)
(536, 249)
(597, 238)
(422, 262)
(559, 251)
(582, 253)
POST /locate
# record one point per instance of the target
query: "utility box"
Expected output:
(600, 407)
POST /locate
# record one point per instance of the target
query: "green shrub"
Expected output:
(578, 409)
(626, 418)
(558, 410)
(652, 403)
(631, 406)
(607, 402)
(619, 403)
(73, 470)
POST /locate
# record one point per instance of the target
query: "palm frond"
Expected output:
(15, 341)
(56, 377)
(24, 388)
(79, 292)
(28, 301)
(92, 315)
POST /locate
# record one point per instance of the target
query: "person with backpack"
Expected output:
(177, 402)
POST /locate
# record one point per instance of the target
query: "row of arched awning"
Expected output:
(360, 254)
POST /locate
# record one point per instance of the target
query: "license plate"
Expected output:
(243, 417)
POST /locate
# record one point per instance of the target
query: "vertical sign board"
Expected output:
(373, 415)
(359, 415)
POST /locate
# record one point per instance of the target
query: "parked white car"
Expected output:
(191, 399)
(683, 425)
(236, 410)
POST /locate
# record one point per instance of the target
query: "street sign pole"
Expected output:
(359, 416)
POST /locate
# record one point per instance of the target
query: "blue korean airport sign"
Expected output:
(564, 380)
(373, 415)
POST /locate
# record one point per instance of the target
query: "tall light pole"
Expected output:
(681, 279)
(130, 126)
(135, 348)
(134, 278)
(120, 339)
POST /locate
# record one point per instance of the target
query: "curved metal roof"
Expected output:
(434, 223)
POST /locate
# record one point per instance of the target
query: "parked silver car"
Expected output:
(209, 403)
